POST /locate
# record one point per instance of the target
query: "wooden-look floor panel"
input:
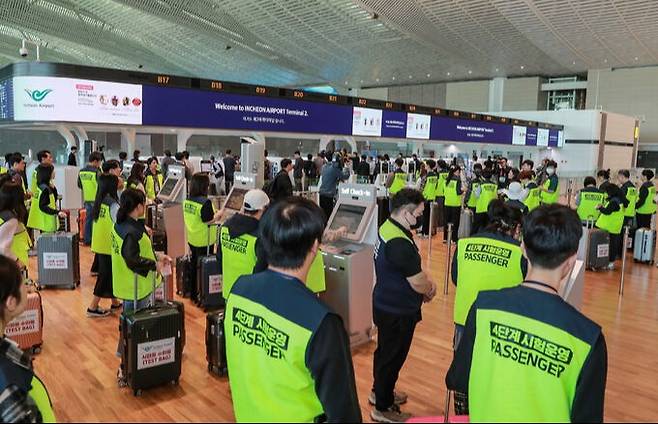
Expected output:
(78, 362)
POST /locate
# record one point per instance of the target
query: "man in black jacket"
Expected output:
(281, 187)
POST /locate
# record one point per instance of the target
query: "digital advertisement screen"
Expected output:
(76, 100)
(542, 137)
(553, 138)
(418, 126)
(560, 139)
(367, 122)
(6, 100)
(451, 129)
(518, 135)
(179, 107)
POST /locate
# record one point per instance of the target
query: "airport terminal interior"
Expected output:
(328, 211)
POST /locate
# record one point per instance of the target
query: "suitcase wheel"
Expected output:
(174, 382)
(137, 392)
(73, 287)
(36, 349)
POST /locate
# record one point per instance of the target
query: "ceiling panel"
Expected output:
(337, 42)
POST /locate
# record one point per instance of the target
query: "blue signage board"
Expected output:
(531, 136)
(6, 100)
(465, 130)
(394, 124)
(177, 107)
(553, 136)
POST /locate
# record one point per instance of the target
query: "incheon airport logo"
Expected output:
(38, 95)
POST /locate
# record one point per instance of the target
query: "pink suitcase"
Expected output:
(27, 328)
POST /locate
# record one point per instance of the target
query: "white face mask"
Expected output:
(550, 171)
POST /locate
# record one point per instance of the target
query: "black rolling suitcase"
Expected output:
(209, 281)
(152, 345)
(183, 282)
(598, 254)
(216, 343)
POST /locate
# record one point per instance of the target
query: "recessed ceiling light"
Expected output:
(377, 79)
(522, 67)
(605, 60)
(470, 72)
(346, 83)
(361, 81)
(410, 77)
(429, 75)
(636, 58)
(574, 62)
(393, 78)
(448, 74)
(497, 69)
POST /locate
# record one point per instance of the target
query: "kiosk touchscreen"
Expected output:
(348, 262)
(127, 169)
(243, 183)
(169, 212)
(206, 166)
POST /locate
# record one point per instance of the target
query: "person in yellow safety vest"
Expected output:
(294, 372)
(15, 242)
(588, 201)
(612, 220)
(17, 172)
(489, 260)
(533, 193)
(88, 183)
(133, 255)
(550, 191)
(453, 202)
(645, 207)
(153, 179)
(630, 193)
(201, 220)
(470, 198)
(441, 182)
(397, 180)
(43, 215)
(44, 157)
(23, 396)
(239, 243)
(428, 188)
(529, 335)
(104, 217)
(486, 193)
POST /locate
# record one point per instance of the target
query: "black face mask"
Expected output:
(417, 225)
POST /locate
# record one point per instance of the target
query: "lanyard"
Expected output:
(537, 283)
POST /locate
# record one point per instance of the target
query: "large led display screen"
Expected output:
(76, 100)
(179, 107)
(451, 129)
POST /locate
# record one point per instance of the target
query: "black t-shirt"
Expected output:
(229, 167)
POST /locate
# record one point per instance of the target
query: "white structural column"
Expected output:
(81, 133)
(496, 93)
(128, 136)
(182, 136)
(65, 132)
(326, 139)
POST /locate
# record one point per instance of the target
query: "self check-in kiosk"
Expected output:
(243, 182)
(169, 213)
(348, 262)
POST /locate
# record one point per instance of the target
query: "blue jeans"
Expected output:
(88, 222)
(129, 305)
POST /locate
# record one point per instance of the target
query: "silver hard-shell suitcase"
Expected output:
(465, 223)
(58, 256)
(645, 244)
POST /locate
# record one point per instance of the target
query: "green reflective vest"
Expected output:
(238, 258)
(266, 356)
(199, 234)
(536, 356)
(484, 263)
(533, 201)
(429, 191)
(399, 182)
(316, 280)
(587, 208)
(149, 186)
(472, 198)
(550, 198)
(649, 207)
(3, 170)
(123, 279)
(33, 182)
(21, 242)
(101, 235)
(40, 396)
(441, 184)
(40, 220)
(452, 198)
(89, 182)
(631, 196)
(612, 223)
(488, 193)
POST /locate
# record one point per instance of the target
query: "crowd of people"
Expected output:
(510, 323)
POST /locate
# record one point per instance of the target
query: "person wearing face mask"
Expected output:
(153, 180)
(401, 288)
(550, 191)
(428, 188)
(527, 334)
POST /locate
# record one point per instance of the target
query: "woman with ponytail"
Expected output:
(490, 260)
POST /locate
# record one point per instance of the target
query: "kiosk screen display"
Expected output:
(206, 167)
(168, 187)
(235, 199)
(348, 216)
